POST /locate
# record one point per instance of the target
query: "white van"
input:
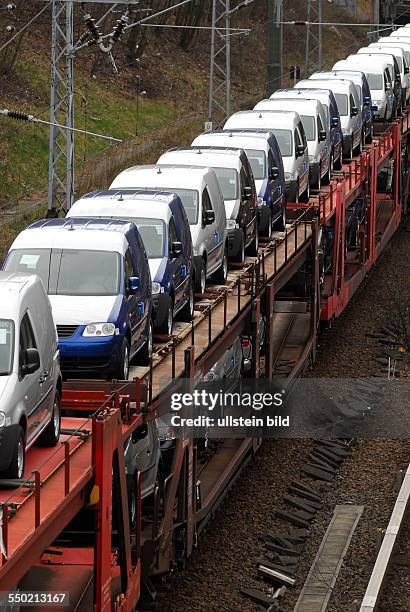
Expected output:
(348, 104)
(402, 61)
(314, 123)
(202, 198)
(394, 70)
(235, 177)
(30, 377)
(288, 130)
(377, 73)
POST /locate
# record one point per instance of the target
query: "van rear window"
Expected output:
(6, 346)
(228, 181)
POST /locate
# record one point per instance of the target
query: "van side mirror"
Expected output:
(354, 112)
(366, 101)
(335, 121)
(30, 361)
(209, 217)
(133, 284)
(398, 78)
(247, 193)
(274, 173)
(140, 433)
(176, 249)
(322, 136)
(300, 150)
(406, 70)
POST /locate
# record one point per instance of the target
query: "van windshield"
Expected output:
(375, 81)
(285, 142)
(309, 127)
(228, 181)
(342, 104)
(6, 346)
(70, 271)
(257, 160)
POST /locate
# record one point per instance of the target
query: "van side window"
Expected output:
(206, 205)
(351, 101)
(271, 161)
(173, 237)
(128, 268)
(27, 340)
(298, 140)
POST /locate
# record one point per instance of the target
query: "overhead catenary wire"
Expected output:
(6, 44)
(25, 117)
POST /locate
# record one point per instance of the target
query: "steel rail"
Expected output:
(390, 539)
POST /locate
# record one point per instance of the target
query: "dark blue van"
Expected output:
(164, 228)
(264, 156)
(98, 280)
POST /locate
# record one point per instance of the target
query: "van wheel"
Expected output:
(306, 194)
(280, 224)
(240, 256)
(121, 370)
(165, 325)
(266, 226)
(51, 434)
(221, 274)
(16, 467)
(328, 177)
(254, 245)
(369, 137)
(145, 353)
(187, 312)
(338, 165)
(200, 279)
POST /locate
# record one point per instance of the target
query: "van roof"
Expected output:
(13, 286)
(245, 139)
(336, 85)
(309, 104)
(80, 233)
(164, 176)
(128, 203)
(204, 156)
(271, 118)
(369, 60)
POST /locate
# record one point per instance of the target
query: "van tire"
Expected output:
(221, 274)
(165, 324)
(280, 224)
(265, 225)
(145, 353)
(328, 176)
(305, 197)
(369, 137)
(51, 434)
(200, 278)
(187, 312)
(253, 248)
(16, 467)
(240, 255)
(338, 165)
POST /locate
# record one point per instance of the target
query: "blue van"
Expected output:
(262, 150)
(164, 228)
(98, 280)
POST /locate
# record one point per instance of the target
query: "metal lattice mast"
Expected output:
(220, 74)
(313, 59)
(61, 153)
(274, 44)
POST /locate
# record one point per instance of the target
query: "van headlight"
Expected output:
(311, 159)
(231, 224)
(209, 376)
(288, 177)
(260, 201)
(93, 330)
(156, 288)
(345, 132)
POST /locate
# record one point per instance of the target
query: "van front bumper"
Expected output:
(90, 354)
(8, 439)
